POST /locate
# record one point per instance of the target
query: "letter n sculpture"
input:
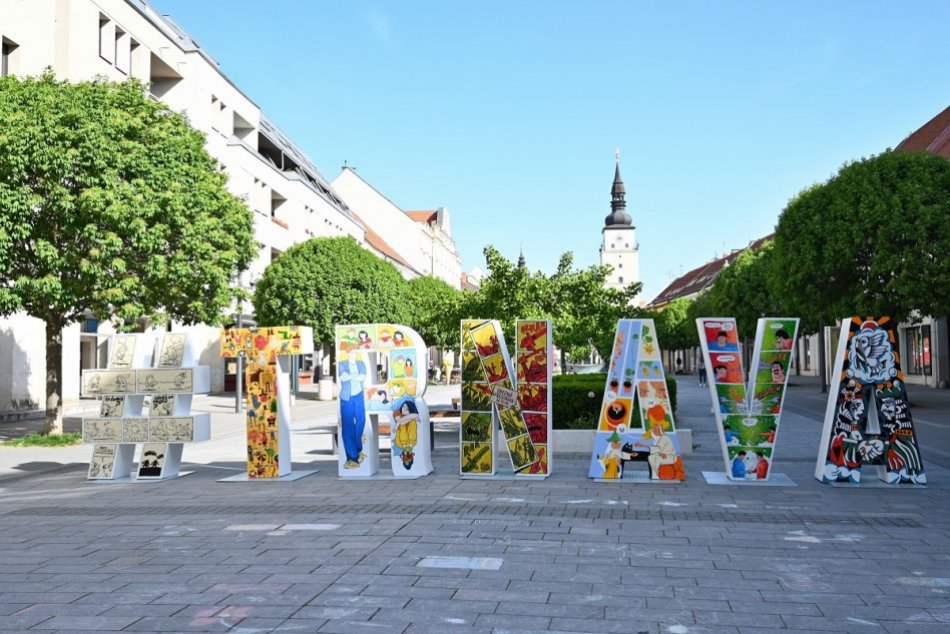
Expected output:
(267, 353)
(748, 418)
(868, 419)
(636, 373)
(489, 394)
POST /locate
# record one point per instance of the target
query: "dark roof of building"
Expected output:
(933, 136)
(618, 216)
(702, 277)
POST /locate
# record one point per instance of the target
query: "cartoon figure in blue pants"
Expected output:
(352, 408)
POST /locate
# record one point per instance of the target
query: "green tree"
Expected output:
(674, 327)
(871, 241)
(328, 281)
(434, 307)
(583, 310)
(743, 290)
(110, 205)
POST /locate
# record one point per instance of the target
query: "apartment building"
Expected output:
(291, 199)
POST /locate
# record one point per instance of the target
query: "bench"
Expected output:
(444, 412)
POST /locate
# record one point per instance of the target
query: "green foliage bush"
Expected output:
(574, 408)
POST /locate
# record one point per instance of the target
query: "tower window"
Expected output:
(621, 279)
(620, 266)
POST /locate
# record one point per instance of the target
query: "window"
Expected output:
(621, 279)
(6, 59)
(620, 266)
(918, 350)
(123, 51)
(106, 39)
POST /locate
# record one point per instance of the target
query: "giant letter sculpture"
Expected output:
(363, 350)
(124, 387)
(267, 379)
(868, 419)
(748, 418)
(489, 394)
(533, 370)
(636, 370)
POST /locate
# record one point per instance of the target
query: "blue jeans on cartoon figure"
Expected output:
(354, 422)
(352, 408)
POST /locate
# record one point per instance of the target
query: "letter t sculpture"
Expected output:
(267, 354)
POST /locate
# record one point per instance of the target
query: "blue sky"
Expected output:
(508, 113)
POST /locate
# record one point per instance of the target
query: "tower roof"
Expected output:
(618, 217)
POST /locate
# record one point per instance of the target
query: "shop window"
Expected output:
(918, 350)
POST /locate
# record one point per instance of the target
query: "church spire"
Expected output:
(521, 261)
(618, 205)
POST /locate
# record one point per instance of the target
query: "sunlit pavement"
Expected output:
(440, 554)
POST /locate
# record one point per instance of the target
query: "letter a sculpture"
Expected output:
(868, 419)
(636, 371)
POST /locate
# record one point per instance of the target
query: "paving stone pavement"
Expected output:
(440, 554)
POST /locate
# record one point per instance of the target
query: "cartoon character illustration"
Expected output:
(777, 372)
(783, 341)
(762, 466)
(612, 459)
(363, 341)
(385, 337)
(406, 433)
(662, 451)
(738, 466)
(721, 342)
(352, 409)
(399, 340)
(871, 357)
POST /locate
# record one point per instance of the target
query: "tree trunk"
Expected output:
(54, 379)
(822, 367)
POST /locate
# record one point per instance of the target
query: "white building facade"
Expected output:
(422, 238)
(118, 39)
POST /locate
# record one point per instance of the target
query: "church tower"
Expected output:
(619, 248)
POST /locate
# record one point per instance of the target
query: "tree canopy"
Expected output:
(675, 328)
(871, 241)
(324, 282)
(110, 205)
(743, 290)
(583, 310)
(434, 307)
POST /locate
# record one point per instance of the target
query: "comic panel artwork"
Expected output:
(267, 392)
(125, 391)
(747, 413)
(491, 391)
(868, 420)
(533, 370)
(152, 461)
(636, 418)
(123, 351)
(382, 368)
(477, 456)
(102, 464)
